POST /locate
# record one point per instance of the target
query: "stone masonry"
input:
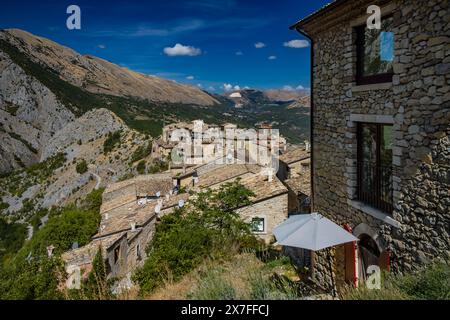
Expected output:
(416, 103)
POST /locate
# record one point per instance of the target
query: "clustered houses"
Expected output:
(131, 208)
(380, 132)
(197, 142)
(128, 215)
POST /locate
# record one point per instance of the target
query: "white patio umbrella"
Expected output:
(311, 231)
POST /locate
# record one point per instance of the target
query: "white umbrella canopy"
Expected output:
(311, 231)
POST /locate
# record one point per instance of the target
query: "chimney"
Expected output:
(307, 146)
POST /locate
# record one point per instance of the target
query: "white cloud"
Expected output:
(259, 45)
(239, 53)
(272, 58)
(101, 46)
(297, 44)
(291, 88)
(181, 50)
(199, 85)
(190, 77)
(227, 87)
(211, 88)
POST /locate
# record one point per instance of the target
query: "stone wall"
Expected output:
(417, 103)
(273, 210)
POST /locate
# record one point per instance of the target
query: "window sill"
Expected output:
(372, 87)
(374, 213)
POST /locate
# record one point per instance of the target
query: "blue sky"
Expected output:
(235, 42)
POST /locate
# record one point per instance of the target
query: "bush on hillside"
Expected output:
(207, 227)
(82, 167)
(111, 142)
(429, 283)
(31, 274)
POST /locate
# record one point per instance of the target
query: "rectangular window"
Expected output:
(116, 254)
(375, 165)
(258, 225)
(375, 53)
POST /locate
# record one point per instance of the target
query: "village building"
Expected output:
(380, 111)
(129, 213)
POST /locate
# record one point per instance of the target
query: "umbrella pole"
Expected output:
(333, 291)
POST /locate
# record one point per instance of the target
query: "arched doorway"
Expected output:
(369, 250)
(368, 255)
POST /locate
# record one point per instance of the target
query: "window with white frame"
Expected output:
(258, 225)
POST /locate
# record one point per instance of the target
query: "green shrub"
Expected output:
(82, 167)
(207, 227)
(141, 152)
(111, 142)
(12, 237)
(429, 283)
(142, 165)
(30, 273)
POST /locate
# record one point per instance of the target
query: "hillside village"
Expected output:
(131, 208)
(102, 170)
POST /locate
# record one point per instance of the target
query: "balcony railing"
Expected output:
(375, 186)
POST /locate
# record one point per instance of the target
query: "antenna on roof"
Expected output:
(158, 194)
(181, 203)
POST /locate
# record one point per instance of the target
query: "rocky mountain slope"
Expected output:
(100, 76)
(45, 86)
(248, 98)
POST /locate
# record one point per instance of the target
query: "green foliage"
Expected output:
(111, 142)
(82, 167)
(158, 166)
(12, 237)
(20, 180)
(3, 206)
(430, 283)
(208, 227)
(35, 279)
(96, 286)
(142, 165)
(141, 152)
(30, 274)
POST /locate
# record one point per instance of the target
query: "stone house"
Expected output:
(294, 172)
(380, 131)
(129, 213)
(269, 205)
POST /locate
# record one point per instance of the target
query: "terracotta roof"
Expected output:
(300, 184)
(225, 173)
(86, 254)
(295, 155)
(262, 188)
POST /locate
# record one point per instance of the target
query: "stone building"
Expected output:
(129, 213)
(380, 130)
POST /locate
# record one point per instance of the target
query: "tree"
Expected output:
(82, 167)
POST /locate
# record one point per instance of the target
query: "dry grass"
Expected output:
(235, 272)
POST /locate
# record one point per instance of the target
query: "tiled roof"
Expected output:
(262, 187)
(295, 155)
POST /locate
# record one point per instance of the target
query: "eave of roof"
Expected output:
(325, 9)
